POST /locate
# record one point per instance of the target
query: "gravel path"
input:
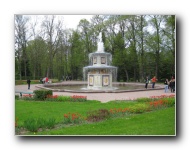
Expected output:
(103, 97)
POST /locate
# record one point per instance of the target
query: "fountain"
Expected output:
(100, 73)
(99, 76)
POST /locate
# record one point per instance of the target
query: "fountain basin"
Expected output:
(81, 87)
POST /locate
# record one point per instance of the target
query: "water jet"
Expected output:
(100, 74)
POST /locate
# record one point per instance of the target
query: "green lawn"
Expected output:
(27, 109)
(159, 122)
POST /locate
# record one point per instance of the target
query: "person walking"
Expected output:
(166, 85)
(153, 81)
(28, 82)
(146, 82)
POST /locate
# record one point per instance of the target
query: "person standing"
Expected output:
(41, 80)
(146, 82)
(46, 80)
(172, 84)
(153, 81)
(63, 78)
(166, 85)
(28, 82)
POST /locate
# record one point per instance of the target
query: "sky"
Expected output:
(7, 106)
(71, 21)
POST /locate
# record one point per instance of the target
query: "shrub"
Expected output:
(42, 94)
(98, 115)
(16, 97)
(63, 98)
(139, 108)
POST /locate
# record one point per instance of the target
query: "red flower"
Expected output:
(66, 116)
(27, 95)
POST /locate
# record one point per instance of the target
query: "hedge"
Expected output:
(42, 94)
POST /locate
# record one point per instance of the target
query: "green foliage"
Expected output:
(42, 94)
(139, 108)
(33, 125)
(162, 103)
(143, 99)
(77, 59)
(59, 98)
(16, 97)
(50, 123)
(67, 119)
(155, 123)
(28, 98)
(170, 102)
(77, 99)
(94, 111)
(41, 122)
(145, 52)
(63, 98)
(73, 118)
(98, 115)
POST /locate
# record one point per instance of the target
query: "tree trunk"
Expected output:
(127, 75)
(142, 50)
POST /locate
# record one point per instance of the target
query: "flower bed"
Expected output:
(60, 98)
(72, 118)
(162, 96)
(78, 98)
(155, 103)
(52, 96)
(27, 95)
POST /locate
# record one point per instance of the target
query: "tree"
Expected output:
(21, 39)
(155, 40)
(52, 30)
(132, 40)
(170, 44)
(87, 37)
(36, 49)
(77, 56)
(62, 57)
(120, 58)
(141, 45)
(141, 33)
(110, 31)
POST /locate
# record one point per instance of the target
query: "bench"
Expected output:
(21, 93)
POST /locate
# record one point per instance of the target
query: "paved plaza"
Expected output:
(103, 97)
